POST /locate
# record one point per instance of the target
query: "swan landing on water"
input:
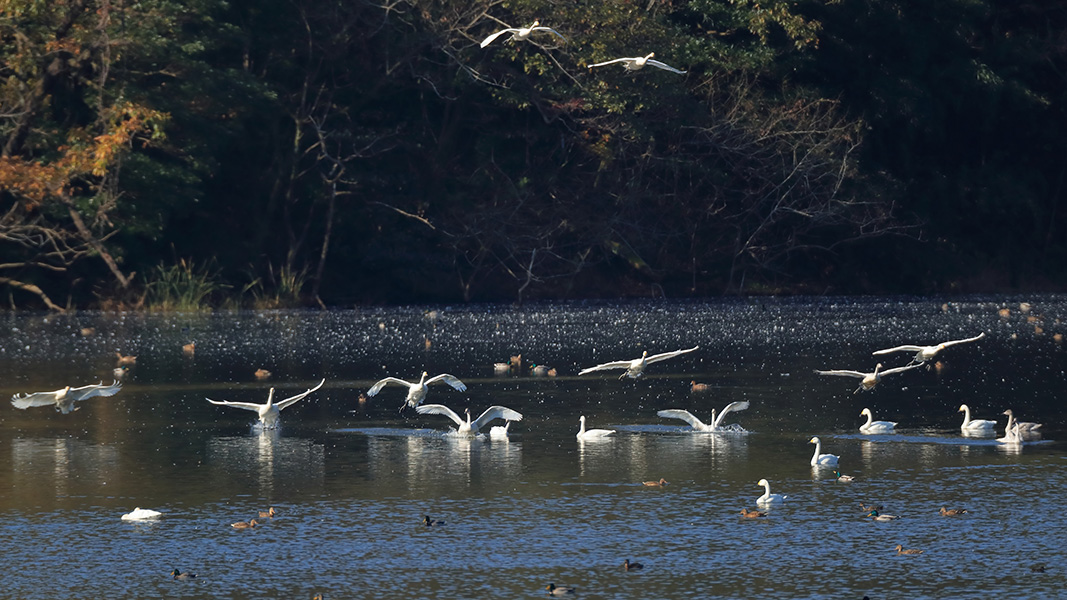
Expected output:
(698, 425)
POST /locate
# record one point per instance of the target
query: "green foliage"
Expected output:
(183, 287)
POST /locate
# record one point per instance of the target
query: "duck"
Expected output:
(767, 497)
(866, 508)
(65, 398)
(125, 359)
(539, 370)
(927, 353)
(877, 516)
(638, 62)
(558, 590)
(698, 387)
(1024, 426)
(427, 521)
(629, 566)
(176, 574)
(662, 482)
(843, 478)
(501, 368)
(872, 426)
(469, 427)
(867, 380)
(952, 512)
(752, 514)
(267, 514)
(141, 514)
(189, 349)
(244, 525)
(976, 424)
(417, 389)
(901, 550)
(262, 374)
(519, 34)
(592, 434)
(269, 413)
(635, 368)
(821, 460)
(120, 373)
(697, 424)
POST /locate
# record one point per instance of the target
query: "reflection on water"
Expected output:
(352, 480)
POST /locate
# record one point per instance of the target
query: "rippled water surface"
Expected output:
(351, 480)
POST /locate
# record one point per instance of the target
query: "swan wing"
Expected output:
(741, 405)
(292, 399)
(900, 349)
(88, 391)
(899, 369)
(384, 382)
(666, 355)
(685, 415)
(35, 399)
(618, 364)
(549, 29)
(495, 412)
(964, 341)
(843, 373)
(451, 380)
(611, 62)
(489, 40)
(244, 405)
(664, 66)
(439, 409)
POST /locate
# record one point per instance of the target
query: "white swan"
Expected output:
(592, 434)
(867, 380)
(1011, 436)
(768, 497)
(499, 433)
(872, 426)
(519, 34)
(417, 390)
(821, 460)
(1024, 426)
(976, 424)
(140, 514)
(65, 398)
(697, 424)
(469, 427)
(926, 353)
(638, 62)
(269, 413)
(636, 367)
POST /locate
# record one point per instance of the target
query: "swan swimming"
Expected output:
(976, 424)
(141, 514)
(821, 460)
(872, 426)
(927, 353)
(468, 427)
(417, 390)
(638, 62)
(592, 434)
(867, 380)
(65, 398)
(270, 412)
(768, 497)
(636, 367)
(1012, 435)
(1024, 426)
(519, 34)
(697, 424)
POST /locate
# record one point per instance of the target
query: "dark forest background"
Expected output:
(339, 152)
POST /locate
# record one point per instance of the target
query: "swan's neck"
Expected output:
(870, 419)
(1011, 419)
(581, 429)
(818, 449)
(715, 420)
(966, 414)
(766, 490)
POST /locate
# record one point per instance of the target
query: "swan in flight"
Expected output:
(1024, 426)
(636, 367)
(592, 434)
(821, 460)
(520, 34)
(872, 426)
(926, 353)
(868, 380)
(269, 412)
(768, 497)
(417, 390)
(976, 424)
(638, 62)
(697, 424)
(65, 398)
(469, 427)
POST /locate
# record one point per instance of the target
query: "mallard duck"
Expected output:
(901, 550)
(267, 514)
(317, 596)
(270, 412)
(866, 508)
(427, 521)
(243, 525)
(927, 353)
(176, 574)
(867, 380)
(872, 426)
(843, 478)
(629, 566)
(768, 497)
(952, 512)
(637, 63)
(697, 424)
(417, 389)
(821, 460)
(519, 34)
(189, 349)
(120, 373)
(662, 482)
(636, 367)
(877, 516)
(558, 590)
(1038, 568)
(65, 398)
(125, 360)
(262, 374)
(592, 434)
(752, 514)
(469, 427)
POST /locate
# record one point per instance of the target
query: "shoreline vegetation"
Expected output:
(168, 156)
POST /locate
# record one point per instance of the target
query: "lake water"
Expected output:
(351, 481)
